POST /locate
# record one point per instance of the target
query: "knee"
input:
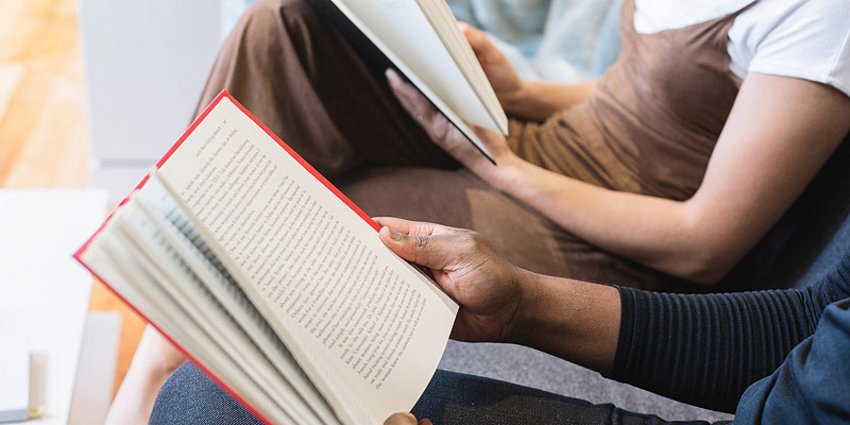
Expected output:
(264, 22)
(189, 397)
(271, 13)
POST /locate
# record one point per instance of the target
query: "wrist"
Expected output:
(520, 97)
(571, 319)
(520, 102)
(509, 173)
(528, 296)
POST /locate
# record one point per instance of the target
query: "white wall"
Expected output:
(145, 65)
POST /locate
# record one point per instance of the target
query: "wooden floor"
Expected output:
(43, 131)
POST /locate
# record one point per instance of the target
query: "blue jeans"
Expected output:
(189, 397)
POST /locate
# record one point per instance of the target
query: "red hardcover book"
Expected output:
(269, 279)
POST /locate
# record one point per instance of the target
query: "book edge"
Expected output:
(499, 116)
(195, 123)
(417, 82)
(78, 256)
(180, 348)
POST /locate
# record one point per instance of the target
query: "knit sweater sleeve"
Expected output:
(707, 349)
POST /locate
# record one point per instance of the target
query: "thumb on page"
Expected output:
(434, 251)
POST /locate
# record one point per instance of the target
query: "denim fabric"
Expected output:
(812, 386)
(190, 397)
(453, 398)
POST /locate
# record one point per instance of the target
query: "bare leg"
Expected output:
(155, 360)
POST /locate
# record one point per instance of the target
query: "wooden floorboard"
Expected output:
(44, 139)
(11, 74)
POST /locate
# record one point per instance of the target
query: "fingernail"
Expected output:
(397, 236)
(391, 74)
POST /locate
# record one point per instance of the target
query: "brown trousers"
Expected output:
(299, 76)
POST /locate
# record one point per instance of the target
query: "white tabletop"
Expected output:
(44, 293)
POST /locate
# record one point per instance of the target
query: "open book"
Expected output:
(271, 280)
(421, 38)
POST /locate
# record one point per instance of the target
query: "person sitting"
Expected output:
(662, 173)
(774, 357)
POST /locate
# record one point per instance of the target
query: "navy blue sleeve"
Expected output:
(707, 349)
(813, 383)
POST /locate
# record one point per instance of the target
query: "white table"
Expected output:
(44, 293)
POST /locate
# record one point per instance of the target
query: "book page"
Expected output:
(159, 257)
(170, 221)
(366, 326)
(400, 27)
(109, 256)
(446, 26)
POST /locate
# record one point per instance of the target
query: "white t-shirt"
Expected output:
(807, 39)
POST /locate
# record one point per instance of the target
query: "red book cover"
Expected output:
(224, 94)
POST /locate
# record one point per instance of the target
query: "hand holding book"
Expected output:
(269, 279)
(507, 84)
(525, 99)
(452, 140)
(484, 284)
(422, 41)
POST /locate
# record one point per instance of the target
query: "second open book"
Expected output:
(271, 280)
(422, 40)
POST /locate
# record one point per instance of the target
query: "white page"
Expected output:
(401, 27)
(313, 267)
(440, 15)
(108, 257)
(156, 255)
(170, 221)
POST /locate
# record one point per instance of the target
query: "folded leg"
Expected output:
(311, 87)
(189, 397)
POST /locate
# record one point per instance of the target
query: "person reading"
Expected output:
(662, 173)
(773, 357)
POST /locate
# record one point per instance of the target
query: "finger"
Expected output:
(426, 422)
(405, 92)
(435, 252)
(414, 102)
(480, 43)
(401, 419)
(484, 134)
(392, 77)
(416, 228)
(468, 31)
(395, 224)
(434, 123)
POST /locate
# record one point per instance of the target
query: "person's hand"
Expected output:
(509, 87)
(485, 285)
(405, 419)
(445, 135)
